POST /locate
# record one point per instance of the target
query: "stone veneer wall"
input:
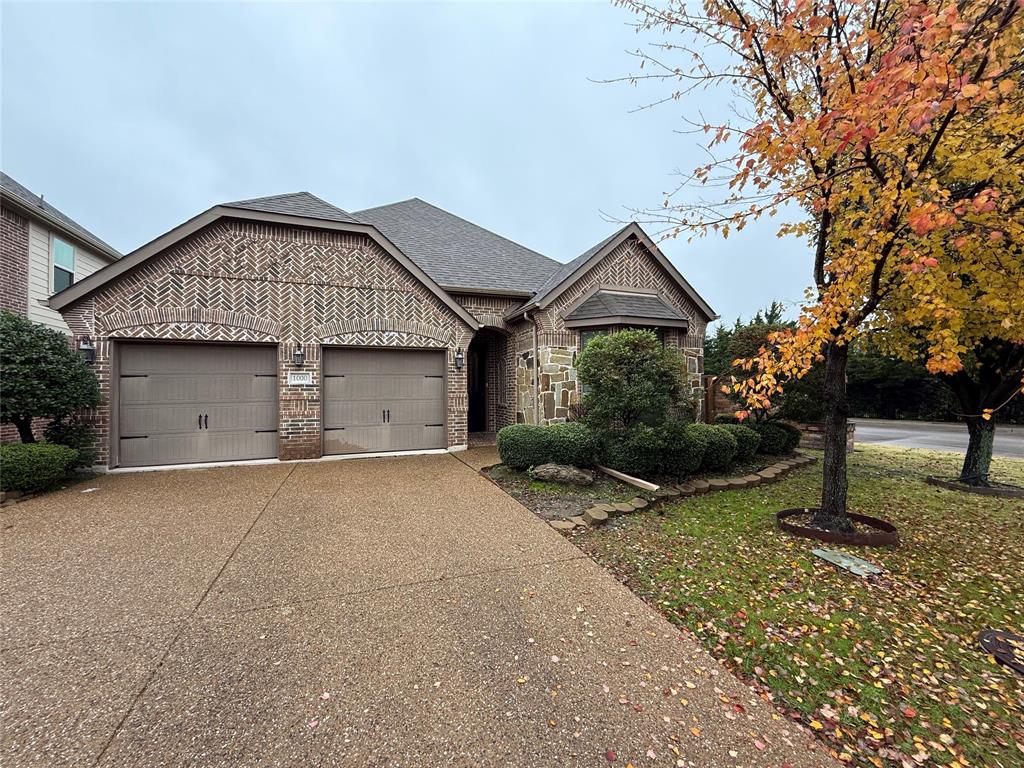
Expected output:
(240, 282)
(630, 265)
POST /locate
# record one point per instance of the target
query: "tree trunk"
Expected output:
(24, 425)
(832, 514)
(979, 451)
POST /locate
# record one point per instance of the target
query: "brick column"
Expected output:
(298, 429)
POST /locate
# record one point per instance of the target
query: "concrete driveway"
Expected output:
(394, 612)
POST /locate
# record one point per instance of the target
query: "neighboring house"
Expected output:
(42, 251)
(286, 327)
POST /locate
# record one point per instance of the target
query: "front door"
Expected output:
(476, 382)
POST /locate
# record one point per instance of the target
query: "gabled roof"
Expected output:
(623, 307)
(457, 253)
(295, 204)
(569, 273)
(263, 213)
(34, 205)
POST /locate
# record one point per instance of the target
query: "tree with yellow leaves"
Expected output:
(897, 127)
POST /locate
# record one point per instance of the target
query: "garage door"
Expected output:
(184, 403)
(383, 400)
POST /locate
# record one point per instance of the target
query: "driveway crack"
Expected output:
(185, 621)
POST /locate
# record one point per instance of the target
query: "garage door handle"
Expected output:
(206, 421)
(383, 416)
(389, 415)
(200, 421)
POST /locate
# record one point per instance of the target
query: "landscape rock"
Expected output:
(623, 508)
(562, 473)
(638, 503)
(562, 525)
(595, 516)
(700, 486)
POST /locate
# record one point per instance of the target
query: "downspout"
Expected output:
(536, 375)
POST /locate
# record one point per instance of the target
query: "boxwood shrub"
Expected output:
(793, 435)
(727, 418)
(682, 449)
(636, 451)
(721, 446)
(747, 440)
(572, 443)
(522, 446)
(773, 437)
(31, 467)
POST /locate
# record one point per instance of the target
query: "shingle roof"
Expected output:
(295, 204)
(608, 303)
(457, 253)
(37, 203)
(564, 270)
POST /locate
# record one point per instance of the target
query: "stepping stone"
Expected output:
(780, 468)
(609, 508)
(752, 480)
(666, 492)
(595, 516)
(700, 486)
(638, 503)
(562, 525)
(578, 520)
(718, 484)
(768, 475)
(685, 489)
(737, 482)
(623, 508)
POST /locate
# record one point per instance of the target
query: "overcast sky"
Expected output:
(132, 117)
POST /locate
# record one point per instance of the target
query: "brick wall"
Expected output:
(13, 261)
(248, 281)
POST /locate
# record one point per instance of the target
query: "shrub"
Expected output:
(682, 449)
(721, 450)
(636, 451)
(773, 437)
(42, 375)
(747, 440)
(572, 443)
(630, 377)
(727, 418)
(793, 435)
(74, 434)
(30, 467)
(522, 446)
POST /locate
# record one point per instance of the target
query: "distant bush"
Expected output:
(727, 418)
(747, 440)
(74, 434)
(773, 437)
(636, 451)
(31, 467)
(793, 435)
(572, 443)
(522, 446)
(682, 449)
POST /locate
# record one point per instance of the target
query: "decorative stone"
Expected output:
(609, 508)
(562, 525)
(718, 484)
(737, 482)
(12, 495)
(686, 489)
(622, 508)
(768, 475)
(594, 516)
(700, 486)
(562, 473)
(752, 480)
(578, 519)
(638, 503)
(666, 492)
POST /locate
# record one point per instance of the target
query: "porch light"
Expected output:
(459, 359)
(299, 356)
(87, 350)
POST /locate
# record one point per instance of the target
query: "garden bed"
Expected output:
(555, 501)
(886, 671)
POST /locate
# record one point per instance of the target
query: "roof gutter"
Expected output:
(55, 223)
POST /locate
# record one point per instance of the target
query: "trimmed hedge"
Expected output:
(522, 446)
(682, 449)
(727, 418)
(793, 435)
(721, 450)
(773, 437)
(636, 451)
(31, 467)
(747, 440)
(74, 434)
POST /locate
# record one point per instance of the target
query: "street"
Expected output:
(936, 436)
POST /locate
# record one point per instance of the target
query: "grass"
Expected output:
(887, 671)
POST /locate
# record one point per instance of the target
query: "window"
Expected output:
(586, 336)
(63, 255)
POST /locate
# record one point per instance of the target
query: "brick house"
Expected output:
(42, 251)
(286, 327)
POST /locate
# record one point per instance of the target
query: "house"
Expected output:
(286, 327)
(42, 251)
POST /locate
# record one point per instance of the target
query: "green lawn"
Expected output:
(887, 671)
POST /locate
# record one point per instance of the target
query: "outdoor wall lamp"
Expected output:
(459, 359)
(87, 350)
(299, 356)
